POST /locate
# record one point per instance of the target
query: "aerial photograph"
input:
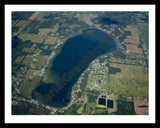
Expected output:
(80, 63)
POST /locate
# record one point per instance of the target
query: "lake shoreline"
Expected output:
(53, 89)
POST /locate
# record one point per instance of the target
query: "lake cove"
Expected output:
(74, 58)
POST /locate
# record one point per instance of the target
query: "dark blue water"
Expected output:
(76, 55)
(109, 21)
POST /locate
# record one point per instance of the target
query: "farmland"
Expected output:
(132, 42)
(132, 81)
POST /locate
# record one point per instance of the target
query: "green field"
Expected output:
(101, 106)
(28, 85)
(27, 60)
(131, 81)
(143, 31)
(38, 61)
(79, 111)
(18, 59)
(32, 37)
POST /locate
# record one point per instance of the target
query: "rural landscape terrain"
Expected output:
(115, 83)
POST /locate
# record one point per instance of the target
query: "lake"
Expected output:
(74, 58)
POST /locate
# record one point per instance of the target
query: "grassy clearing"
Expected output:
(50, 40)
(89, 108)
(40, 37)
(131, 81)
(133, 49)
(133, 39)
(134, 61)
(101, 106)
(21, 24)
(18, 59)
(27, 60)
(31, 73)
(79, 16)
(31, 81)
(35, 38)
(80, 110)
(28, 50)
(41, 15)
(44, 31)
(128, 87)
(38, 61)
(143, 32)
(133, 31)
(130, 72)
(55, 29)
(125, 108)
(27, 86)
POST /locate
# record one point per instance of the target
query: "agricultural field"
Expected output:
(131, 81)
(143, 32)
(29, 84)
(141, 107)
(133, 41)
(133, 48)
(32, 37)
(133, 30)
(29, 49)
(34, 15)
(38, 62)
(21, 25)
(138, 61)
(44, 31)
(50, 40)
(18, 59)
(27, 60)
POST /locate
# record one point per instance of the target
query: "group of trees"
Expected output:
(23, 109)
(21, 15)
(125, 108)
(113, 70)
(119, 54)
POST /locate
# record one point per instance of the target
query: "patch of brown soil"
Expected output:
(34, 15)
